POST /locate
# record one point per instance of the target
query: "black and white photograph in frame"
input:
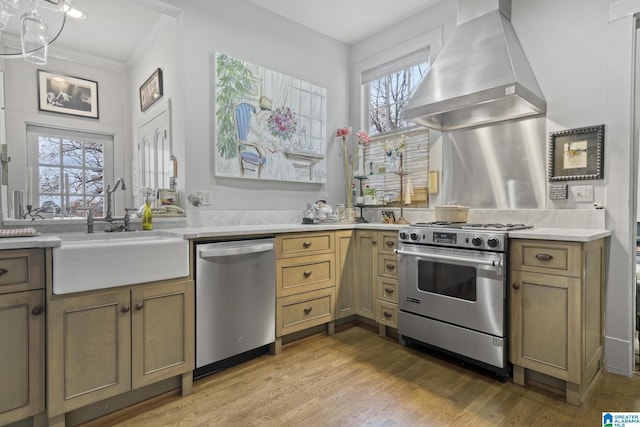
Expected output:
(58, 93)
(151, 90)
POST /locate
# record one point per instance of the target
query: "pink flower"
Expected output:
(363, 137)
(343, 132)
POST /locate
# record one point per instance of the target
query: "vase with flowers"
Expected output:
(393, 151)
(350, 152)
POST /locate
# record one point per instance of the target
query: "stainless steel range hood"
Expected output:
(481, 75)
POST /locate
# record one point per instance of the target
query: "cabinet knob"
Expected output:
(387, 314)
(306, 244)
(139, 306)
(125, 309)
(388, 290)
(3, 271)
(374, 241)
(516, 285)
(307, 310)
(307, 273)
(37, 310)
(544, 257)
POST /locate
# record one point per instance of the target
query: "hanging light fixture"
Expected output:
(34, 30)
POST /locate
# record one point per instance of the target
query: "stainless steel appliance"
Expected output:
(452, 282)
(235, 302)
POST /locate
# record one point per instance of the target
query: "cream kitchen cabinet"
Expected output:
(345, 289)
(386, 287)
(556, 311)
(106, 343)
(366, 272)
(305, 282)
(22, 334)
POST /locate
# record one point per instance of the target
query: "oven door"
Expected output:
(462, 287)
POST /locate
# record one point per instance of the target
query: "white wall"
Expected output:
(245, 31)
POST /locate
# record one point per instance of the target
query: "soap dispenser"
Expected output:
(147, 216)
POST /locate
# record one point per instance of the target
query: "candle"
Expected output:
(67, 190)
(29, 185)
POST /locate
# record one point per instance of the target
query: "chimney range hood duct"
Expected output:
(481, 75)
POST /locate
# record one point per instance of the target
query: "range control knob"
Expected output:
(493, 242)
(477, 241)
(415, 236)
(404, 235)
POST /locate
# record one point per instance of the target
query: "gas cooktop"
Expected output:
(466, 225)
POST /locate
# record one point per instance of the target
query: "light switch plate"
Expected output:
(205, 197)
(582, 193)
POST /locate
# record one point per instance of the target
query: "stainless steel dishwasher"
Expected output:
(235, 302)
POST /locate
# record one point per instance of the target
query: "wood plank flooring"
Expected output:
(358, 378)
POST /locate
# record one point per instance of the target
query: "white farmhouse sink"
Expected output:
(89, 263)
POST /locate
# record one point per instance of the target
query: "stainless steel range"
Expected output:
(452, 289)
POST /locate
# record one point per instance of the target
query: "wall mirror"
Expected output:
(93, 50)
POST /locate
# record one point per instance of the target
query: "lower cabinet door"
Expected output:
(89, 348)
(545, 318)
(22, 354)
(162, 337)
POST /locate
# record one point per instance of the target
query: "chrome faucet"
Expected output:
(109, 191)
(126, 226)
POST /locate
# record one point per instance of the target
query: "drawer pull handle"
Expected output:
(391, 266)
(307, 273)
(516, 285)
(125, 309)
(3, 271)
(544, 257)
(306, 244)
(307, 310)
(139, 306)
(388, 290)
(387, 314)
(390, 243)
(37, 310)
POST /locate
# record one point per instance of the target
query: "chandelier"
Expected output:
(34, 30)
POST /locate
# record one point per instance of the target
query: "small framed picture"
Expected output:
(151, 90)
(576, 154)
(388, 217)
(58, 93)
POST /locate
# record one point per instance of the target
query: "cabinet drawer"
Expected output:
(291, 245)
(21, 270)
(297, 312)
(388, 265)
(389, 242)
(387, 313)
(561, 258)
(304, 274)
(387, 289)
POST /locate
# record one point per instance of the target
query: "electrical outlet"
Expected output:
(582, 193)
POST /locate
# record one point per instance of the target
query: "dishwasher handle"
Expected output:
(233, 250)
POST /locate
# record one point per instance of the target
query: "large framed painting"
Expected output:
(58, 93)
(268, 126)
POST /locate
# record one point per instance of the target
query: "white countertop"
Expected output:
(55, 240)
(565, 234)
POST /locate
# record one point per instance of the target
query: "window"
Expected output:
(72, 168)
(387, 90)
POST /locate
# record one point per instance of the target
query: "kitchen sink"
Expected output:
(90, 263)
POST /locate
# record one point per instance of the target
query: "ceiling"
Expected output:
(348, 21)
(111, 34)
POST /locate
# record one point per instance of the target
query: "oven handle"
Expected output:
(497, 264)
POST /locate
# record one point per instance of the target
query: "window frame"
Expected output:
(35, 131)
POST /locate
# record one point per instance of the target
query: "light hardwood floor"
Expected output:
(356, 378)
